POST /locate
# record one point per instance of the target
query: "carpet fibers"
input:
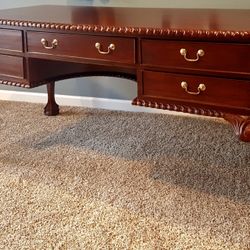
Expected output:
(96, 179)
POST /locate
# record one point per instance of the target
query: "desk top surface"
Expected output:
(198, 20)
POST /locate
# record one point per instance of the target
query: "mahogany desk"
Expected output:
(195, 61)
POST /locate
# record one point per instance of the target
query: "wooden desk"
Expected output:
(195, 61)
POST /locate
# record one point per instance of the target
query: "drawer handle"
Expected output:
(199, 54)
(110, 48)
(45, 44)
(201, 87)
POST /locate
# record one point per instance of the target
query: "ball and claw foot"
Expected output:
(241, 125)
(51, 109)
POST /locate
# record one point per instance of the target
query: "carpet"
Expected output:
(98, 179)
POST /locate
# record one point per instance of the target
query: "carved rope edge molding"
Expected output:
(176, 107)
(16, 84)
(235, 35)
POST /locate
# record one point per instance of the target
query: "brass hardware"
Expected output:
(45, 44)
(110, 48)
(201, 87)
(199, 54)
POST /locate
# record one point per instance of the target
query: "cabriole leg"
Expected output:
(51, 108)
(241, 125)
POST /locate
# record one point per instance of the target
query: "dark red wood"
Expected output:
(219, 91)
(218, 57)
(11, 66)
(83, 46)
(241, 126)
(147, 48)
(51, 108)
(151, 18)
(42, 71)
(11, 40)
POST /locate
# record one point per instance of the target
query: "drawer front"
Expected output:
(11, 66)
(217, 57)
(11, 40)
(218, 91)
(111, 49)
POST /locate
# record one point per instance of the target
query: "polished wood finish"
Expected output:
(44, 44)
(241, 126)
(51, 108)
(219, 91)
(182, 23)
(11, 66)
(218, 57)
(11, 40)
(83, 46)
(43, 71)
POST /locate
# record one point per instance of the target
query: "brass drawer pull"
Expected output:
(45, 44)
(110, 48)
(201, 87)
(199, 54)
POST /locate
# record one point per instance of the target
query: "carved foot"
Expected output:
(51, 108)
(241, 125)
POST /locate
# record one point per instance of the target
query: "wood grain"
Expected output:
(147, 48)
(84, 46)
(11, 66)
(11, 40)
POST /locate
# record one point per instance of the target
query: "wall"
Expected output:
(114, 87)
(232, 4)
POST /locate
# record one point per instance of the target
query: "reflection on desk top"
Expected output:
(132, 20)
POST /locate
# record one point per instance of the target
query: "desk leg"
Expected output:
(51, 108)
(241, 125)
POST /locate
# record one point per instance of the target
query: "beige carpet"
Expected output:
(94, 179)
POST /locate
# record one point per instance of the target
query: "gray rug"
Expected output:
(96, 179)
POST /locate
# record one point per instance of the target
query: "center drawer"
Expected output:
(113, 49)
(197, 89)
(203, 56)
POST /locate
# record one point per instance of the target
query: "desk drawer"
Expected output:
(11, 66)
(218, 57)
(218, 91)
(84, 46)
(11, 40)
